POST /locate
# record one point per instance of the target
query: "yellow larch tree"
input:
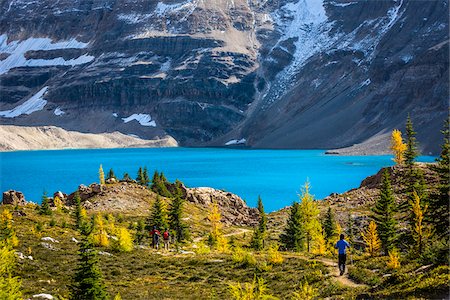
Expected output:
(394, 259)
(398, 147)
(99, 235)
(101, 175)
(420, 232)
(124, 241)
(310, 217)
(216, 237)
(372, 239)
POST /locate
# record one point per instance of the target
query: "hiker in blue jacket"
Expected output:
(342, 246)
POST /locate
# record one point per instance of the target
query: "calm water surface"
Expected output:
(276, 175)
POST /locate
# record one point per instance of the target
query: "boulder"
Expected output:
(14, 198)
(60, 195)
(233, 209)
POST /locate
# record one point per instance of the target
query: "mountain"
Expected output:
(266, 74)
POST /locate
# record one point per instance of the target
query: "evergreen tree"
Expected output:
(411, 143)
(111, 174)
(384, 213)
(126, 177)
(262, 217)
(259, 234)
(293, 237)
(145, 178)
(87, 281)
(158, 216)
(439, 201)
(101, 175)
(44, 209)
(140, 176)
(175, 218)
(330, 225)
(257, 239)
(79, 215)
(159, 182)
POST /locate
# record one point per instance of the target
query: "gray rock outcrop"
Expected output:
(13, 197)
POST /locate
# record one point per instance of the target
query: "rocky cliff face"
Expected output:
(281, 74)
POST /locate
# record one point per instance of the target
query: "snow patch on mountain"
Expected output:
(35, 103)
(187, 7)
(17, 50)
(143, 119)
(236, 142)
(59, 112)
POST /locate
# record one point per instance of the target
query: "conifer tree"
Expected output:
(126, 177)
(214, 217)
(420, 232)
(175, 218)
(310, 217)
(384, 213)
(293, 237)
(124, 242)
(411, 143)
(145, 178)
(140, 176)
(329, 225)
(259, 233)
(10, 286)
(111, 174)
(87, 281)
(398, 147)
(373, 242)
(439, 201)
(79, 214)
(158, 216)
(262, 217)
(44, 209)
(99, 236)
(7, 232)
(101, 175)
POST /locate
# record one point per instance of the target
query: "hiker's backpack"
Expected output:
(166, 235)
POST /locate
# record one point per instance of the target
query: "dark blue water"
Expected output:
(276, 175)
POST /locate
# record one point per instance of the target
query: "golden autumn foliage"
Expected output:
(309, 214)
(397, 146)
(7, 233)
(99, 235)
(124, 241)
(305, 292)
(273, 255)
(101, 175)
(216, 237)
(420, 232)
(255, 290)
(394, 259)
(372, 239)
(58, 203)
(320, 245)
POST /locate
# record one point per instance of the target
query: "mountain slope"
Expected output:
(278, 74)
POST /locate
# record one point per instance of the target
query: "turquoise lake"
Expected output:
(276, 175)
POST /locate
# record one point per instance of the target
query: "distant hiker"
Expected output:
(342, 246)
(155, 237)
(166, 239)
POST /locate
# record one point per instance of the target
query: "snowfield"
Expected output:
(143, 119)
(35, 103)
(18, 49)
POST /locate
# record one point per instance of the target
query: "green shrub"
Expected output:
(243, 257)
(362, 275)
